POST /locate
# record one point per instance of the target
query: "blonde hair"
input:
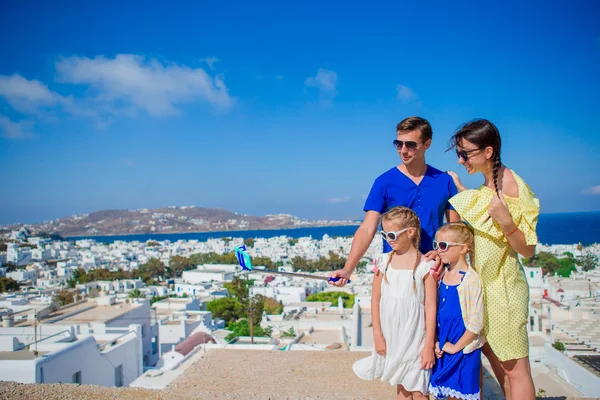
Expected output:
(404, 217)
(462, 233)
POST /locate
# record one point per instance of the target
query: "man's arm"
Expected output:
(452, 216)
(360, 244)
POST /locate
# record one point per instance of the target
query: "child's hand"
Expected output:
(438, 353)
(449, 348)
(379, 345)
(427, 357)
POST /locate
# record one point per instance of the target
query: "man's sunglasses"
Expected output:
(443, 246)
(392, 235)
(410, 145)
(464, 154)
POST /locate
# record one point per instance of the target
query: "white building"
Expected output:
(110, 359)
(285, 294)
(22, 275)
(206, 275)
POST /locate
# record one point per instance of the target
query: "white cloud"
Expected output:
(337, 200)
(136, 83)
(27, 96)
(326, 81)
(16, 130)
(594, 190)
(211, 61)
(127, 161)
(405, 93)
(116, 86)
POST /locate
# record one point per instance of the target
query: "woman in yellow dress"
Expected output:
(503, 213)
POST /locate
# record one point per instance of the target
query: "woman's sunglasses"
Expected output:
(443, 246)
(464, 154)
(410, 145)
(392, 235)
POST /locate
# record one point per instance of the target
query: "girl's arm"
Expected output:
(376, 314)
(427, 355)
(464, 340)
(474, 319)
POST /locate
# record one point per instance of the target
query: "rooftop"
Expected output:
(99, 314)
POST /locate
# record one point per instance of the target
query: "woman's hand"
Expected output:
(379, 344)
(427, 357)
(498, 210)
(436, 269)
(449, 348)
(459, 185)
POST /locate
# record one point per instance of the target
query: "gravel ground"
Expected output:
(241, 374)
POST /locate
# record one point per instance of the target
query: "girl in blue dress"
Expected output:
(459, 317)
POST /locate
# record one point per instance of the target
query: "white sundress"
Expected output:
(402, 318)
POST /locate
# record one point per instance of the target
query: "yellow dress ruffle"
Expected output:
(506, 292)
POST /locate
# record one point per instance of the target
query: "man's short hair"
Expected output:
(413, 124)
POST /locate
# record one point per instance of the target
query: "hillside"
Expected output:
(170, 220)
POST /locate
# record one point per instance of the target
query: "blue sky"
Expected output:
(267, 107)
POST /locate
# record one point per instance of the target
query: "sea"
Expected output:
(564, 228)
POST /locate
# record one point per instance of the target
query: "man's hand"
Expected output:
(427, 357)
(436, 269)
(343, 274)
(449, 348)
(379, 344)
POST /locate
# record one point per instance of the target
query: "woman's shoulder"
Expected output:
(510, 186)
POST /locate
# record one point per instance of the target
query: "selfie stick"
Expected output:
(246, 264)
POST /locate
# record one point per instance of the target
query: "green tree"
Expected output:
(292, 241)
(136, 294)
(272, 306)
(178, 264)
(238, 288)
(64, 297)
(249, 242)
(242, 328)
(347, 298)
(154, 267)
(154, 299)
(559, 345)
(567, 265)
(588, 261)
(8, 285)
(331, 262)
(289, 333)
(226, 308)
(547, 261)
(152, 243)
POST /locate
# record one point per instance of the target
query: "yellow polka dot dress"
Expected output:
(506, 292)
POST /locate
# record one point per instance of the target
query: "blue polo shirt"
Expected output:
(428, 199)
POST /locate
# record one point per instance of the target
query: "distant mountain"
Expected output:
(170, 220)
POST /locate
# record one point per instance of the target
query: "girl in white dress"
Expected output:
(403, 310)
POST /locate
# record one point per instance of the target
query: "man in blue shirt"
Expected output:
(412, 184)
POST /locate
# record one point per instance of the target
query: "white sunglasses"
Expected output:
(392, 235)
(443, 246)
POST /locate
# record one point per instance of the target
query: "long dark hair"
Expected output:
(481, 133)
